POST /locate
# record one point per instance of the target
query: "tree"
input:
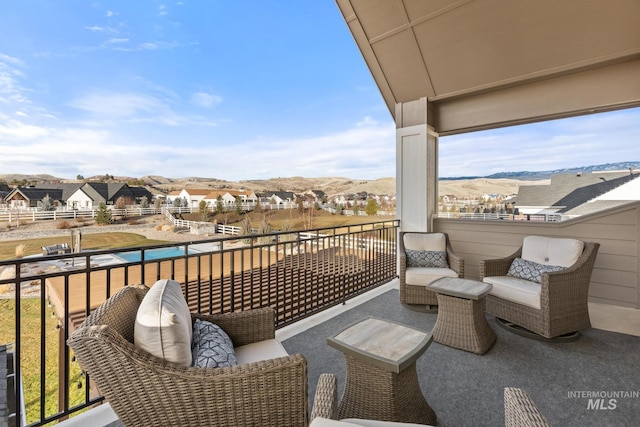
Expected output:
(245, 229)
(203, 209)
(264, 228)
(121, 205)
(144, 202)
(46, 204)
(103, 215)
(177, 203)
(219, 204)
(238, 205)
(356, 208)
(372, 208)
(79, 177)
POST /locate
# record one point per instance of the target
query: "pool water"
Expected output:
(151, 254)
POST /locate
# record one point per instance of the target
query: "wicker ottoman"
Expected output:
(382, 383)
(461, 320)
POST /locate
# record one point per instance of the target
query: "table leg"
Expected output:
(375, 393)
(462, 324)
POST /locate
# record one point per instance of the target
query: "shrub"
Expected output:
(103, 215)
(20, 250)
(63, 225)
(133, 221)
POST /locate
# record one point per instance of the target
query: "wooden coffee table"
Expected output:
(382, 383)
(461, 320)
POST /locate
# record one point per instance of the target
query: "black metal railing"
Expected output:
(298, 273)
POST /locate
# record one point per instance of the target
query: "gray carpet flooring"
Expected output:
(566, 380)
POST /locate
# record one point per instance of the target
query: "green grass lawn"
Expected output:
(89, 242)
(31, 361)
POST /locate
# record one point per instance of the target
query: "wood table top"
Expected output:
(386, 344)
(461, 288)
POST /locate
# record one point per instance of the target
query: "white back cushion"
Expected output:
(163, 325)
(425, 241)
(551, 251)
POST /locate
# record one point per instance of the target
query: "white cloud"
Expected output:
(579, 141)
(110, 105)
(207, 100)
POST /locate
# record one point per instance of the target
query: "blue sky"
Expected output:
(231, 90)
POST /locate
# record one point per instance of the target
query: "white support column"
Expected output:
(416, 167)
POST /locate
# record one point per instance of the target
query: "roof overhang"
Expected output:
(483, 64)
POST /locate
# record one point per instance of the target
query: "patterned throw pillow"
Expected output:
(211, 347)
(436, 259)
(529, 270)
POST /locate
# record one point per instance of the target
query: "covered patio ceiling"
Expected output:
(484, 64)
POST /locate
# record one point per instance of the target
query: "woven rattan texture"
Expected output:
(563, 298)
(462, 324)
(144, 390)
(375, 393)
(411, 294)
(520, 410)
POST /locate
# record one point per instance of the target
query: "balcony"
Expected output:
(322, 280)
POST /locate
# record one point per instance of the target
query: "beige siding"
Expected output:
(615, 276)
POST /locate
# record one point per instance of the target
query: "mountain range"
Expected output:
(532, 176)
(468, 186)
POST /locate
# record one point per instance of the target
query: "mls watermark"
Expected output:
(606, 400)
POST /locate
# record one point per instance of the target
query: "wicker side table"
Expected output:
(461, 320)
(382, 382)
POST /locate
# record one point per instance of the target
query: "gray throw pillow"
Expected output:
(437, 259)
(529, 270)
(211, 347)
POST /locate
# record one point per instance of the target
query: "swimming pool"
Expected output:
(151, 254)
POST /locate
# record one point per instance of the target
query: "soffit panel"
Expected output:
(518, 42)
(420, 9)
(379, 16)
(401, 63)
(453, 50)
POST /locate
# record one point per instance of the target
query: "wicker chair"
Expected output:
(519, 409)
(563, 297)
(414, 279)
(145, 390)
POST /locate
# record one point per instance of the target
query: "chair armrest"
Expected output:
(497, 266)
(245, 327)
(325, 402)
(566, 286)
(520, 410)
(455, 262)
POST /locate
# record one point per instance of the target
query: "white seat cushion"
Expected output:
(357, 422)
(261, 350)
(425, 241)
(551, 251)
(422, 276)
(163, 325)
(516, 290)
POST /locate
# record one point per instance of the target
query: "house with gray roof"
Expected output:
(571, 195)
(29, 197)
(75, 196)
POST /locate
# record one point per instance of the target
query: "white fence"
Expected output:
(497, 216)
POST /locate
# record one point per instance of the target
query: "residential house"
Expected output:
(192, 196)
(91, 194)
(29, 197)
(276, 197)
(140, 192)
(571, 195)
(76, 195)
